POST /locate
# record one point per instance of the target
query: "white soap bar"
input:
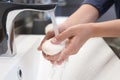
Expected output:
(52, 49)
(48, 28)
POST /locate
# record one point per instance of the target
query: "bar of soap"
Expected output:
(51, 49)
(48, 27)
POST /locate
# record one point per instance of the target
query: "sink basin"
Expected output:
(27, 67)
(92, 58)
(94, 61)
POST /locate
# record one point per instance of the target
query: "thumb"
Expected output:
(62, 36)
(62, 58)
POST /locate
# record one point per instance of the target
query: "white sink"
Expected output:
(22, 66)
(94, 61)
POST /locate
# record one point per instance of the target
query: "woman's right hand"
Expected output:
(50, 34)
(76, 36)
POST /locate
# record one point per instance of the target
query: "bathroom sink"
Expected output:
(92, 62)
(22, 66)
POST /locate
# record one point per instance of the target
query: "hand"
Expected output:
(50, 34)
(76, 36)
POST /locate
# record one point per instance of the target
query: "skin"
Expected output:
(77, 29)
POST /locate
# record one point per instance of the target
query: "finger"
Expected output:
(71, 49)
(62, 57)
(49, 35)
(52, 62)
(73, 46)
(62, 61)
(45, 56)
(52, 57)
(62, 36)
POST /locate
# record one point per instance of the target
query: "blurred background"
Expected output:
(34, 23)
(29, 22)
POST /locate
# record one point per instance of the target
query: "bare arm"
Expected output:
(85, 14)
(106, 29)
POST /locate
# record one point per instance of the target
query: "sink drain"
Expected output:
(20, 74)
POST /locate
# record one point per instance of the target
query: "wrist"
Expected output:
(90, 29)
(96, 31)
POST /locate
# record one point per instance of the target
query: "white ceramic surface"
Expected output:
(10, 65)
(88, 64)
(94, 61)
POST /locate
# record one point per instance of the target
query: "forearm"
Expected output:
(85, 14)
(106, 29)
